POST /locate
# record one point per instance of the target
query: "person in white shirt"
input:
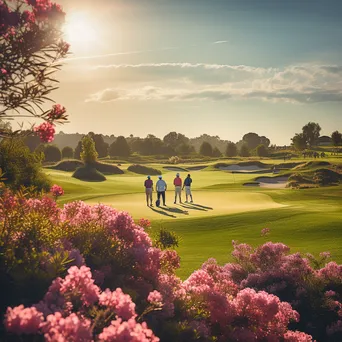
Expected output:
(161, 187)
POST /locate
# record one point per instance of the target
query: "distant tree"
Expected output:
(88, 154)
(231, 150)
(311, 133)
(40, 149)
(216, 153)
(265, 141)
(100, 145)
(67, 152)
(52, 153)
(31, 140)
(206, 149)
(336, 138)
(184, 149)
(252, 140)
(261, 151)
(119, 148)
(299, 142)
(78, 150)
(175, 139)
(244, 151)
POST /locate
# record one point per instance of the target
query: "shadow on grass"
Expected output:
(162, 212)
(188, 206)
(201, 206)
(176, 210)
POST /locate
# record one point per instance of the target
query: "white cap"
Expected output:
(177, 174)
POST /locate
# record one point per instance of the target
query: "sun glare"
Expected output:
(80, 31)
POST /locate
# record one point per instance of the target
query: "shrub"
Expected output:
(143, 170)
(88, 173)
(21, 167)
(261, 151)
(244, 151)
(67, 165)
(206, 149)
(174, 160)
(67, 152)
(326, 177)
(52, 153)
(88, 154)
(108, 169)
(119, 148)
(231, 150)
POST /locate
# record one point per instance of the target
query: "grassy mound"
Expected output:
(289, 165)
(89, 174)
(108, 169)
(313, 165)
(326, 177)
(67, 165)
(257, 164)
(144, 170)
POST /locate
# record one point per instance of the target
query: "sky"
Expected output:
(220, 67)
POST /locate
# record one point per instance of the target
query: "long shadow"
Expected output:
(202, 206)
(176, 210)
(192, 207)
(162, 212)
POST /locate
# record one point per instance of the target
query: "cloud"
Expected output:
(221, 42)
(221, 82)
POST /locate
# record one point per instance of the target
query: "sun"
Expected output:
(80, 31)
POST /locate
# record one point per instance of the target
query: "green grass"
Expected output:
(307, 220)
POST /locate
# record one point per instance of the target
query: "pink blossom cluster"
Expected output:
(265, 231)
(46, 131)
(155, 297)
(118, 301)
(56, 190)
(145, 223)
(57, 112)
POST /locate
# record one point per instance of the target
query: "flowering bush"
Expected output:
(31, 46)
(56, 191)
(129, 292)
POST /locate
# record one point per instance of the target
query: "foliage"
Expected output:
(52, 153)
(67, 152)
(231, 150)
(206, 149)
(100, 145)
(165, 239)
(108, 169)
(299, 142)
(31, 46)
(175, 139)
(144, 170)
(119, 148)
(88, 154)
(216, 153)
(88, 173)
(244, 151)
(174, 160)
(326, 177)
(336, 138)
(311, 133)
(253, 140)
(20, 166)
(67, 165)
(261, 151)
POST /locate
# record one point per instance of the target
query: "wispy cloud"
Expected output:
(217, 82)
(221, 42)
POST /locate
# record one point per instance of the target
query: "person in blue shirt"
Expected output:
(161, 187)
(187, 186)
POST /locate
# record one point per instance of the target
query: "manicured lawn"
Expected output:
(307, 220)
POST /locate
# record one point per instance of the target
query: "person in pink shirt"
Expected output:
(148, 190)
(177, 182)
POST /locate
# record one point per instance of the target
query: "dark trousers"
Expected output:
(162, 194)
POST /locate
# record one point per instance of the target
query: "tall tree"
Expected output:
(261, 151)
(88, 154)
(119, 148)
(52, 153)
(311, 133)
(244, 151)
(231, 150)
(100, 145)
(216, 153)
(206, 149)
(336, 138)
(67, 152)
(299, 142)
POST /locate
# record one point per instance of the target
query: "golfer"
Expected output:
(187, 186)
(177, 182)
(148, 190)
(161, 187)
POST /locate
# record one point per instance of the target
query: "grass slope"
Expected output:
(307, 220)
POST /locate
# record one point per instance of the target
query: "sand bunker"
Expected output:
(197, 168)
(269, 182)
(242, 168)
(174, 168)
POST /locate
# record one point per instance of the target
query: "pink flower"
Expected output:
(265, 231)
(130, 331)
(57, 112)
(69, 329)
(56, 190)
(79, 283)
(145, 223)
(297, 336)
(118, 301)
(46, 131)
(23, 321)
(155, 297)
(3, 71)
